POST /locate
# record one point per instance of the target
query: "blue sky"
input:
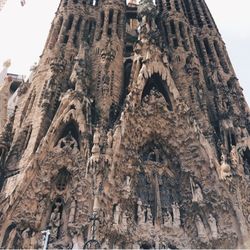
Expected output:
(23, 32)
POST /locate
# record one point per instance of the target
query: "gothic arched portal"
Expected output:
(157, 84)
(69, 135)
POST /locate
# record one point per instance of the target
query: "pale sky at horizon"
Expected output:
(24, 32)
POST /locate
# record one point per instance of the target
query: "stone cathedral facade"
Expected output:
(132, 132)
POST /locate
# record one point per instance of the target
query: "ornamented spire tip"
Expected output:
(7, 63)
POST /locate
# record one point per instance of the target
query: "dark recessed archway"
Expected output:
(11, 227)
(69, 129)
(246, 161)
(156, 82)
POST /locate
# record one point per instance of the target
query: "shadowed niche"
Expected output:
(155, 82)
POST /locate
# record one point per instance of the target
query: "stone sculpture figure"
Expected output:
(202, 234)
(127, 185)
(140, 213)
(68, 142)
(72, 212)
(124, 221)
(77, 241)
(149, 218)
(40, 210)
(87, 102)
(196, 191)
(225, 170)
(167, 219)
(26, 238)
(213, 226)
(97, 136)
(176, 215)
(117, 213)
(109, 139)
(234, 156)
(78, 74)
(96, 147)
(55, 222)
(109, 151)
(105, 244)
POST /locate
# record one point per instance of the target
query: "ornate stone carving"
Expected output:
(149, 216)
(117, 214)
(27, 240)
(213, 226)
(68, 143)
(176, 215)
(196, 191)
(55, 221)
(96, 147)
(202, 234)
(126, 119)
(140, 213)
(167, 219)
(225, 170)
(72, 213)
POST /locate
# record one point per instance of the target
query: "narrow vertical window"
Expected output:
(166, 33)
(119, 28)
(182, 30)
(110, 22)
(77, 30)
(172, 27)
(199, 50)
(177, 6)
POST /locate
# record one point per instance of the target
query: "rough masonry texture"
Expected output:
(132, 132)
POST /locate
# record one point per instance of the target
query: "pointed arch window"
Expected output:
(62, 179)
(77, 30)
(110, 22)
(156, 85)
(89, 31)
(152, 152)
(69, 136)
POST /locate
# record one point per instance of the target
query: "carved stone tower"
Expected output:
(132, 132)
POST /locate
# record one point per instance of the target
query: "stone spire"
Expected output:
(3, 73)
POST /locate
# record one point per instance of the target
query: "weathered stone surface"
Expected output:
(132, 132)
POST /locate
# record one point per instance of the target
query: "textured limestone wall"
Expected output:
(132, 132)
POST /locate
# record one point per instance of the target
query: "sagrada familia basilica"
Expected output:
(132, 132)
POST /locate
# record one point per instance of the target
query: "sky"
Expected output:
(24, 30)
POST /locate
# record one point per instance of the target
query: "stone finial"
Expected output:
(7, 63)
(147, 8)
